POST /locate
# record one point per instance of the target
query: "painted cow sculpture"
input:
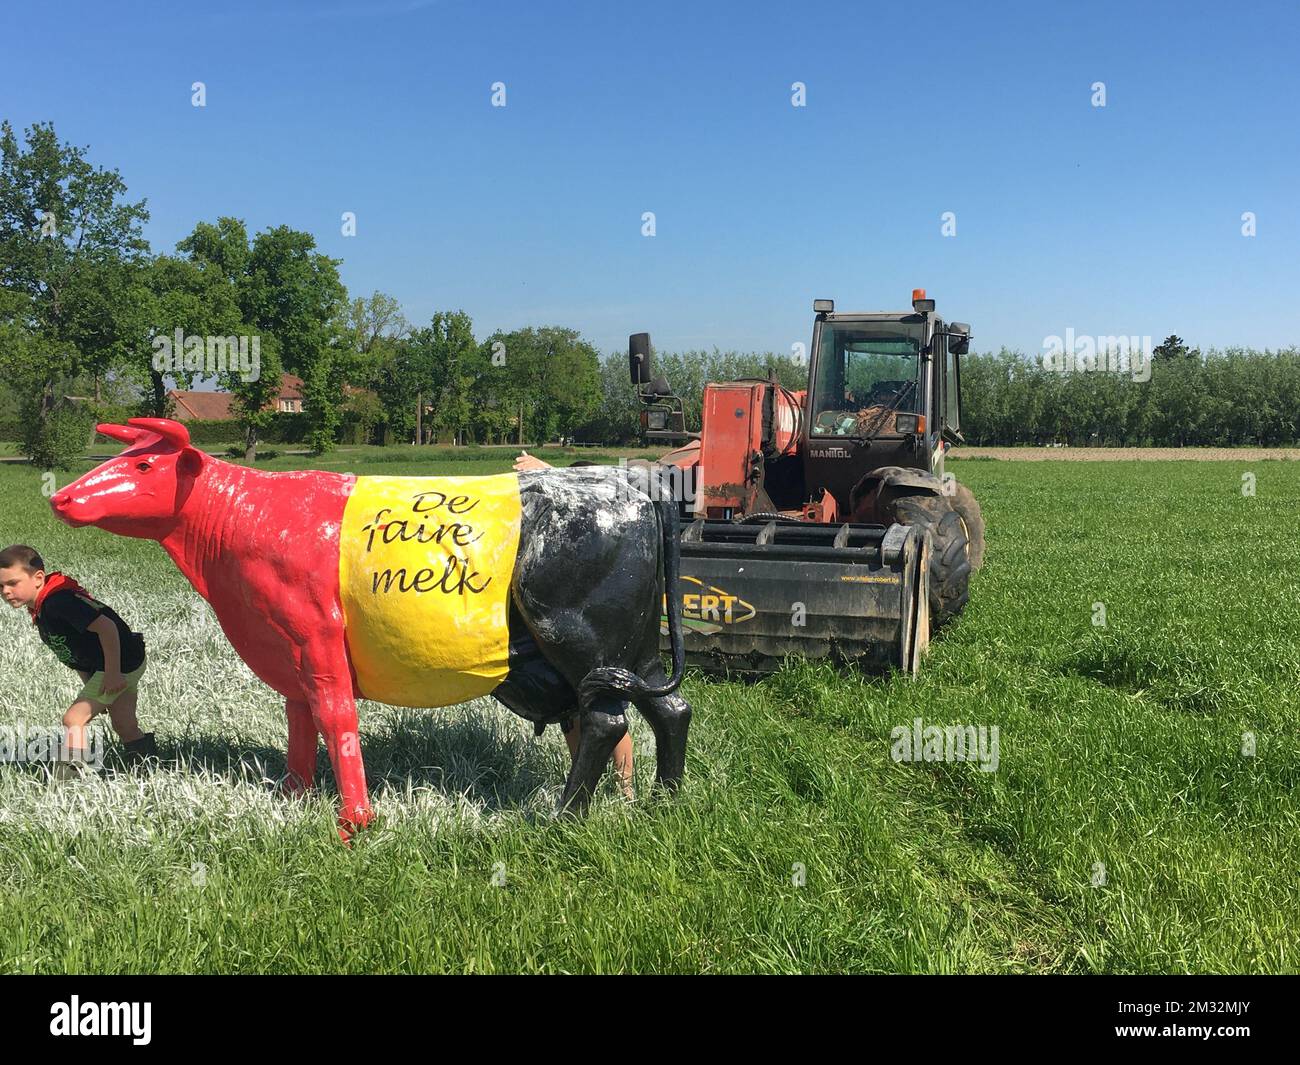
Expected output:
(542, 589)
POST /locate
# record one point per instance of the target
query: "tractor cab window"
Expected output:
(865, 374)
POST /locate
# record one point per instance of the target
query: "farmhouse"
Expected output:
(217, 406)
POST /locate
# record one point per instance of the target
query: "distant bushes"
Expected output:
(1232, 398)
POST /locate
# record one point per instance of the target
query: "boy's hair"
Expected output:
(21, 555)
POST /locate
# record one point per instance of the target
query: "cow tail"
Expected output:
(623, 682)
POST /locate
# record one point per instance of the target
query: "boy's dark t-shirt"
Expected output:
(62, 624)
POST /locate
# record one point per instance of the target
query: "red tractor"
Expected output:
(820, 523)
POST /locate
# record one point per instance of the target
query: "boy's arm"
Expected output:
(104, 628)
(527, 462)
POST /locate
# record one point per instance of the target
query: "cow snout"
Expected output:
(61, 504)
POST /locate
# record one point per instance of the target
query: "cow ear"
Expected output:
(192, 461)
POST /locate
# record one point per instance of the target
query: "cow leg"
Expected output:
(302, 747)
(604, 723)
(670, 718)
(335, 714)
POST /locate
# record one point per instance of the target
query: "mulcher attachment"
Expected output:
(755, 593)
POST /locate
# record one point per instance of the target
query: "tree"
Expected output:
(398, 383)
(448, 362)
(374, 358)
(551, 378)
(69, 247)
(211, 290)
(373, 322)
(294, 293)
(1172, 348)
(617, 418)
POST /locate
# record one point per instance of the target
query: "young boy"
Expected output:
(89, 637)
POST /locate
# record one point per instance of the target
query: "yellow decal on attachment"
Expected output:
(708, 610)
(425, 565)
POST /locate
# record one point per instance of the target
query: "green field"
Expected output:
(1123, 831)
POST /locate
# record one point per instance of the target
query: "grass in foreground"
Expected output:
(1124, 830)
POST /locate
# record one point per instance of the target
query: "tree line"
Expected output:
(1189, 398)
(95, 326)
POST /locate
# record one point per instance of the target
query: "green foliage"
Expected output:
(282, 429)
(447, 362)
(617, 417)
(1229, 398)
(293, 293)
(361, 412)
(228, 287)
(544, 382)
(71, 253)
(203, 432)
(52, 438)
(398, 381)
(182, 297)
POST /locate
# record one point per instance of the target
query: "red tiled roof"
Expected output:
(216, 406)
(203, 406)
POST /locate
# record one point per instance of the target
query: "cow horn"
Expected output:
(173, 432)
(124, 433)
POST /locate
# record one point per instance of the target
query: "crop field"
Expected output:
(1133, 637)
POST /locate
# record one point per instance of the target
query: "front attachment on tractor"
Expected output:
(755, 592)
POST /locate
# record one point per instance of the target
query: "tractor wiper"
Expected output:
(883, 417)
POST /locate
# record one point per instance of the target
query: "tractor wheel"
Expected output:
(949, 560)
(968, 509)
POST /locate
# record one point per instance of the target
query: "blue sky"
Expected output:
(1117, 220)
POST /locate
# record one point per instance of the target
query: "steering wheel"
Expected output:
(828, 421)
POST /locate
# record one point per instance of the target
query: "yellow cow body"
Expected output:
(425, 566)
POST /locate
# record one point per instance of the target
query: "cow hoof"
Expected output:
(351, 824)
(575, 810)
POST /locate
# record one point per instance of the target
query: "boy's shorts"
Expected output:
(93, 689)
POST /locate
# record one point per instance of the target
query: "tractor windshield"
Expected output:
(865, 370)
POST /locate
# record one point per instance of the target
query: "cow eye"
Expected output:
(143, 467)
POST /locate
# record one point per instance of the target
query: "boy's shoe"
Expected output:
(138, 751)
(138, 754)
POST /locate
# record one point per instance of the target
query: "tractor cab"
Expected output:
(884, 391)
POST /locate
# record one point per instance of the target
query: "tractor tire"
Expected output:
(963, 501)
(949, 551)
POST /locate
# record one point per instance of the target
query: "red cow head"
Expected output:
(141, 492)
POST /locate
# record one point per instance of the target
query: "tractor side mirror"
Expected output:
(959, 338)
(638, 358)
